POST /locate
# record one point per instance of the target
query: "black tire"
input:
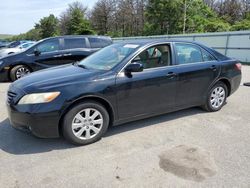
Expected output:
(70, 116)
(14, 70)
(208, 106)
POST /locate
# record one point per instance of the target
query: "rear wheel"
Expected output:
(85, 123)
(216, 97)
(18, 72)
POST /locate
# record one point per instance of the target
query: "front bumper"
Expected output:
(4, 75)
(43, 125)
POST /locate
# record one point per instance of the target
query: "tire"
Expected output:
(216, 97)
(18, 72)
(79, 129)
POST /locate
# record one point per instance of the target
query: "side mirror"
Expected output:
(37, 52)
(134, 67)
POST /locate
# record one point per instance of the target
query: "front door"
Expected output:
(151, 91)
(50, 54)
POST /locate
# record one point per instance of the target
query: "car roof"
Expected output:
(76, 36)
(155, 41)
(149, 42)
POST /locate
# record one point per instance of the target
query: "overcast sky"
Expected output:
(19, 16)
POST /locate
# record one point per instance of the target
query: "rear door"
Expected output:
(197, 69)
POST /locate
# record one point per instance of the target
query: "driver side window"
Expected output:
(153, 57)
(48, 46)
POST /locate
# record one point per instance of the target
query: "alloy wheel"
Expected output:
(217, 97)
(21, 72)
(87, 123)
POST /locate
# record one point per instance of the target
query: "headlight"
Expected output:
(1, 62)
(36, 98)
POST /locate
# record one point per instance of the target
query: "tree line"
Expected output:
(120, 18)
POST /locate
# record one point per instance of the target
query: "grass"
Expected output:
(5, 36)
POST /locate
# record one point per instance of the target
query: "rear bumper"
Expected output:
(43, 125)
(235, 83)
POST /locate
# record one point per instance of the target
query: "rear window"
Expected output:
(99, 42)
(74, 43)
(219, 55)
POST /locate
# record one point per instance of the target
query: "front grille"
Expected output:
(10, 96)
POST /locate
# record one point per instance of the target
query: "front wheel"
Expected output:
(18, 72)
(85, 123)
(216, 97)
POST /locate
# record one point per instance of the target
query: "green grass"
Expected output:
(5, 36)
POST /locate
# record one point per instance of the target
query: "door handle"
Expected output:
(67, 54)
(213, 68)
(57, 56)
(171, 75)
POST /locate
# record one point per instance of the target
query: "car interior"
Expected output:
(153, 57)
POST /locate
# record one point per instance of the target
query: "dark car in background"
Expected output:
(50, 52)
(121, 83)
(17, 43)
(3, 44)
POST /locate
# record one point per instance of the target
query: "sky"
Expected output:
(19, 16)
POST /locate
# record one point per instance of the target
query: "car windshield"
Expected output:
(109, 57)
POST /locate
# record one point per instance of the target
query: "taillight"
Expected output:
(238, 66)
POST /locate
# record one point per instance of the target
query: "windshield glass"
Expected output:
(109, 57)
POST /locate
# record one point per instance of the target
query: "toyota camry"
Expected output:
(123, 82)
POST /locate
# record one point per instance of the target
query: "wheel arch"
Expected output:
(94, 98)
(18, 64)
(227, 83)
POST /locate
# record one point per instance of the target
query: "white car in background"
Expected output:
(20, 48)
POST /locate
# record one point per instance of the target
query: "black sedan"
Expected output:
(121, 83)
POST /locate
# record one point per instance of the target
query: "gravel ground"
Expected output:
(189, 148)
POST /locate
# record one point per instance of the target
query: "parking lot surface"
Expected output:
(189, 148)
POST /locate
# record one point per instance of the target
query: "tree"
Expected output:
(230, 11)
(48, 26)
(201, 18)
(118, 18)
(102, 16)
(163, 17)
(242, 25)
(181, 16)
(33, 34)
(73, 21)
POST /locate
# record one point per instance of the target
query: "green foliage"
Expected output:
(77, 25)
(118, 18)
(33, 34)
(163, 17)
(5, 36)
(202, 19)
(114, 33)
(215, 25)
(167, 17)
(48, 26)
(242, 25)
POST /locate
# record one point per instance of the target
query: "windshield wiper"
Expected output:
(82, 66)
(77, 63)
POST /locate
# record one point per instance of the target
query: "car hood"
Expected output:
(61, 76)
(17, 56)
